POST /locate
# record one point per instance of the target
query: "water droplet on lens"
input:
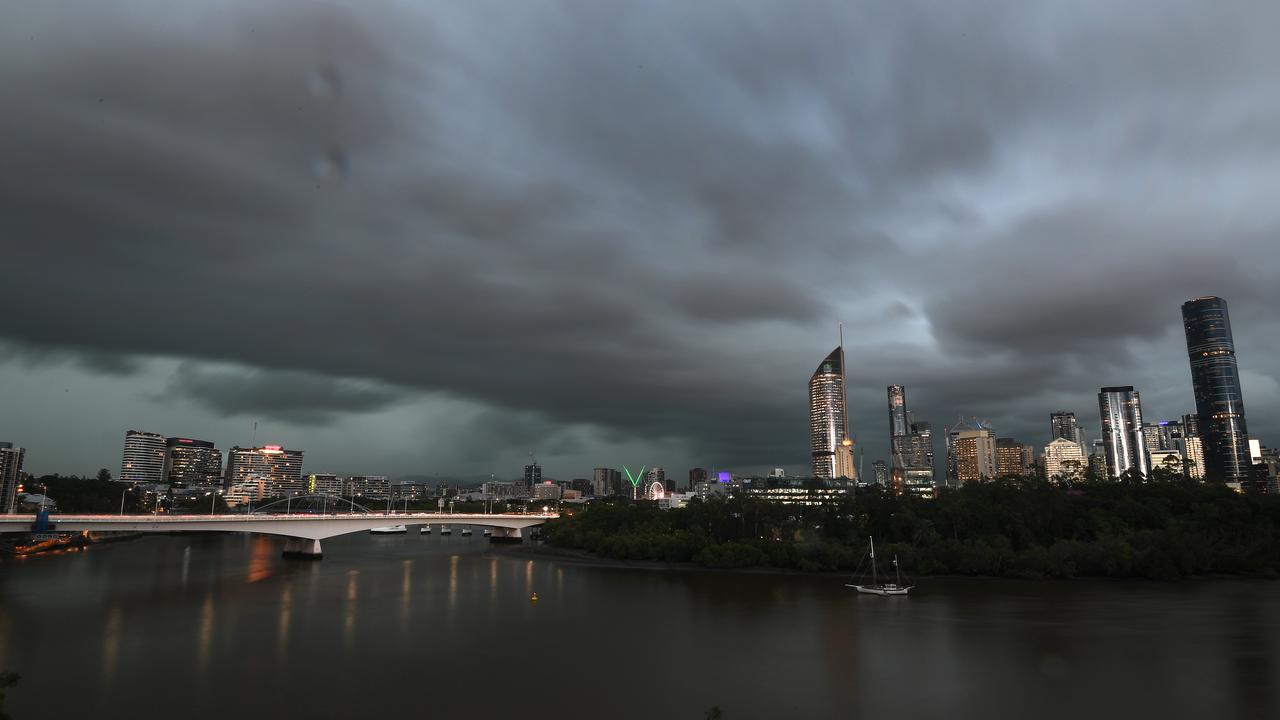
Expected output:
(323, 82)
(330, 165)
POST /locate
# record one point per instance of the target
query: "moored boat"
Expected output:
(876, 587)
(388, 530)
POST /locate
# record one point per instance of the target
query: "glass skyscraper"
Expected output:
(1120, 409)
(1216, 382)
(828, 415)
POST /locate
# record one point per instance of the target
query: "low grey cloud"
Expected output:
(296, 397)
(610, 220)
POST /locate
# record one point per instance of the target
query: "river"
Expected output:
(409, 626)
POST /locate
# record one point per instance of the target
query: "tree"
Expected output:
(104, 475)
(8, 680)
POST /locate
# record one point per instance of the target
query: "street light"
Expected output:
(123, 490)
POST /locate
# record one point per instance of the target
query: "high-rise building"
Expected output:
(375, 487)
(1192, 446)
(326, 484)
(656, 475)
(10, 475)
(1156, 436)
(1215, 380)
(532, 474)
(1098, 459)
(1063, 460)
(828, 417)
(607, 481)
(975, 454)
(697, 475)
(898, 424)
(1062, 424)
(881, 473)
(280, 467)
(1014, 458)
(144, 457)
(192, 462)
(1120, 410)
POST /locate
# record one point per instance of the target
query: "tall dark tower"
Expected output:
(898, 426)
(1216, 382)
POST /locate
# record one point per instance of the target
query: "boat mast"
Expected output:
(874, 582)
(897, 567)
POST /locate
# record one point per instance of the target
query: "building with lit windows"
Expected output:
(10, 476)
(192, 462)
(1120, 412)
(1170, 460)
(270, 462)
(144, 457)
(1063, 459)
(829, 420)
(975, 455)
(1192, 446)
(375, 487)
(880, 471)
(1014, 458)
(1215, 379)
(325, 484)
(898, 430)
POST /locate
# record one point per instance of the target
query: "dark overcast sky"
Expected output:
(428, 237)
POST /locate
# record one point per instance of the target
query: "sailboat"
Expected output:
(878, 588)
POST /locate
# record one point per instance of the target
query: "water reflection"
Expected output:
(111, 643)
(205, 638)
(262, 558)
(453, 582)
(958, 649)
(349, 617)
(286, 611)
(406, 593)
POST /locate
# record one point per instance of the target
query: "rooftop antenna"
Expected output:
(253, 442)
(844, 383)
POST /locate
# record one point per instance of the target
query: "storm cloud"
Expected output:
(585, 226)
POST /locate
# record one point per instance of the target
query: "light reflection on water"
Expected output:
(249, 628)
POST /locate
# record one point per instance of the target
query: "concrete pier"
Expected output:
(302, 549)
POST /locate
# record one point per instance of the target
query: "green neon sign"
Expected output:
(635, 479)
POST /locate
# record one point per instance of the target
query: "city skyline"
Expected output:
(360, 270)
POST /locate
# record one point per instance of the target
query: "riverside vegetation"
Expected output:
(1009, 527)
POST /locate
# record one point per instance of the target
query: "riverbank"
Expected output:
(582, 558)
(543, 551)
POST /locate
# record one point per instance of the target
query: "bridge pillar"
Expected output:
(506, 535)
(302, 548)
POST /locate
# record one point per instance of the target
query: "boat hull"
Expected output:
(882, 591)
(389, 530)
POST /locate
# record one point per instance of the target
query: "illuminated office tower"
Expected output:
(829, 421)
(975, 454)
(144, 457)
(10, 475)
(898, 424)
(192, 462)
(1014, 458)
(279, 467)
(1215, 380)
(1120, 410)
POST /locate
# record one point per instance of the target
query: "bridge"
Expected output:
(303, 532)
